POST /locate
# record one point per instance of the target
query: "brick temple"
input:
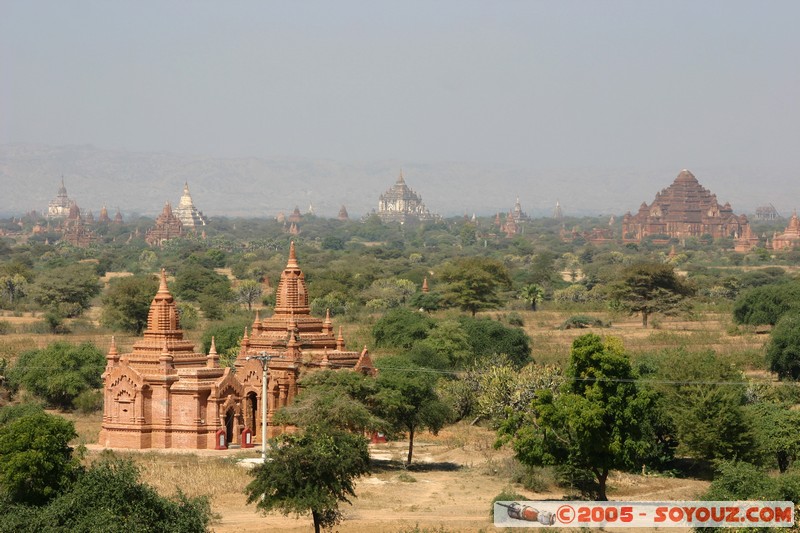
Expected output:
(164, 394)
(687, 209)
(401, 204)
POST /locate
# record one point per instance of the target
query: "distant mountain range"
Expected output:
(140, 183)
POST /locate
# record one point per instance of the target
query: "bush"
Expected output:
(506, 495)
(515, 319)
(583, 321)
(89, 401)
(36, 461)
(5, 327)
(489, 337)
(783, 350)
(60, 372)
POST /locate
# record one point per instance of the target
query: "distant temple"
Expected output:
(517, 214)
(557, 213)
(77, 231)
(767, 212)
(163, 394)
(343, 214)
(168, 226)
(104, 218)
(187, 213)
(687, 209)
(59, 207)
(401, 204)
(790, 238)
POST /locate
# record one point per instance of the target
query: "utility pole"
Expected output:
(264, 359)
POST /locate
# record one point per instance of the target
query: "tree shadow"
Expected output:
(388, 465)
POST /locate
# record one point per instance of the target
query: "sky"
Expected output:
(556, 84)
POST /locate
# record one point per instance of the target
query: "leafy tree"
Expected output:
(783, 350)
(705, 398)
(472, 283)
(599, 421)
(488, 338)
(401, 328)
(14, 411)
(766, 304)
(226, 334)
(194, 280)
(648, 288)
(36, 461)
(391, 292)
(338, 399)
(108, 496)
(126, 303)
(69, 288)
(776, 432)
(532, 293)
(738, 481)
(13, 287)
(407, 398)
(59, 372)
(313, 471)
(249, 291)
(449, 341)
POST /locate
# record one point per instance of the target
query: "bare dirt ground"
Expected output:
(449, 488)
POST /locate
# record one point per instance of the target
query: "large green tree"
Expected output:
(474, 283)
(59, 372)
(649, 288)
(704, 398)
(783, 350)
(310, 472)
(766, 304)
(407, 398)
(338, 399)
(126, 303)
(36, 461)
(68, 289)
(401, 328)
(599, 421)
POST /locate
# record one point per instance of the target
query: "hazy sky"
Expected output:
(665, 84)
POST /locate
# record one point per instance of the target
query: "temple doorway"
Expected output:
(229, 417)
(252, 410)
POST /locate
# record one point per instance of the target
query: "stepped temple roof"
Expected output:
(187, 213)
(401, 204)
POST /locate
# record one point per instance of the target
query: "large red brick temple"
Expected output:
(687, 209)
(165, 395)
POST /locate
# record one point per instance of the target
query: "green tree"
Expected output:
(249, 291)
(783, 350)
(313, 471)
(488, 338)
(599, 421)
(13, 287)
(36, 461)
(766, 304)
(776, 432)
(473, 283)
(401, 328)
(59, 372)
(68, 289)
(704, 396)
(337, 399)
(126, 303)
(648, 288)
(407, 398)
(110, 497)
(531, 293)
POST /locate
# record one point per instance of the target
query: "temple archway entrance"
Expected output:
(229, 417)
(251, 408)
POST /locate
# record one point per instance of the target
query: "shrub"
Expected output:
(515, 319)
(59, 372)
(89, 401)
(583, 321)
(5, 327)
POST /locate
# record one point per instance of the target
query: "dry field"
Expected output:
(449, 488)
(456, 473)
